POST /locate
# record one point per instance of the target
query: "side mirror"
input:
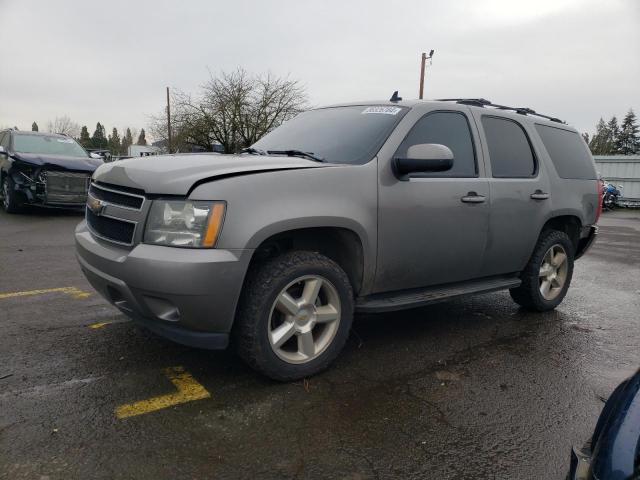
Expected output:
(424, 157)
(95, 155)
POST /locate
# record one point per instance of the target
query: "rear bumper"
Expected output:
(186, 295)
(588, 236)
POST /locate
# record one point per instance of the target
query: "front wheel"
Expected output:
(294, 316)
(547, 276)
(11, 201)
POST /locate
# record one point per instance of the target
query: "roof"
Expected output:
(477, 104)
(41, 134)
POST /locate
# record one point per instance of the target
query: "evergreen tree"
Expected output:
(599, 144)
(127, 141)
(85, 139)
(114, 142)
(613, 136)
(99, 140)
(629, 140)
(34, 127)
(141, 139)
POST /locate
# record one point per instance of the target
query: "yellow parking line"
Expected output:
(74, 292)
(99, 324)
(188, 391)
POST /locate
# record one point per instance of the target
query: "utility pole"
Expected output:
(423, 65)
(168, 122)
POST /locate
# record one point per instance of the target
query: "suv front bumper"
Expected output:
(186, 295)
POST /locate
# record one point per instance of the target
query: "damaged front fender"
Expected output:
(28, 180)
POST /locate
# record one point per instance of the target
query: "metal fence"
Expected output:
(622, 170)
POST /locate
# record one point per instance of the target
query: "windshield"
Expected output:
(337, 135)
(48, 145)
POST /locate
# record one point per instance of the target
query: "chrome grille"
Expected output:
(66, 187)
(113, 213)
(116, 197)
(111, 229)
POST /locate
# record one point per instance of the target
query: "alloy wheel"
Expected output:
(304, 319)
(553, 272)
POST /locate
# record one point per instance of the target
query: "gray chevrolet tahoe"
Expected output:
(366, 207)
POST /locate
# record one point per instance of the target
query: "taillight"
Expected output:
(600, 191)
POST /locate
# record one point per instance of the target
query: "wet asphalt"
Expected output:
(471, 388)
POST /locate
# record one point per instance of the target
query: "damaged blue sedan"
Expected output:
(43, 169)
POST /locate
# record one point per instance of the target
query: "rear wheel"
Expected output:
(547, 276)
(294, 316)
(11, 201)
(609, 201)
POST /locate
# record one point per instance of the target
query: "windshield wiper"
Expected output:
(296, 153)
(253, 151)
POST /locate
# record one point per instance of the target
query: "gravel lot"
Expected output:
(472, 388)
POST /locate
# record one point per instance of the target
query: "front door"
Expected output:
(432, 228)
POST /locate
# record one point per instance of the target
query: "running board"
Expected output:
(403, 299)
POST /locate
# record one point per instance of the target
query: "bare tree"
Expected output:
(234, 109)
(64, 125)
(134, 135)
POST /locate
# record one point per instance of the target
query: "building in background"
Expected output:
(623, 170)
(143, 150)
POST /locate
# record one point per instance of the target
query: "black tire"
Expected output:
(528, 294)
(609, 201)
(264, 283)
(11, 200)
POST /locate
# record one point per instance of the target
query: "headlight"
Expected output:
(178, 223)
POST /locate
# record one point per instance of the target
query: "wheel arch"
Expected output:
(569, 224)
(342, 245)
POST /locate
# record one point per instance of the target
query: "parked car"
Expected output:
(613, 451)
(44, 169)
(360, 207)
(104, 154)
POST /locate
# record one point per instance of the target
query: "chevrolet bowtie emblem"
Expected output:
(95, 205)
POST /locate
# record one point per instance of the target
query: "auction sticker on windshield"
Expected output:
(382, 110)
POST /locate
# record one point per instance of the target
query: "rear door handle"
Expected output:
(539, 195)
(473, 197)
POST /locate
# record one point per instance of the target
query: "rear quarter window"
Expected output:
(568, 152)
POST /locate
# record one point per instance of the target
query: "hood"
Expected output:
(59, 162)
(177, 174)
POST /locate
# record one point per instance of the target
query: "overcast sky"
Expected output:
(110, 61)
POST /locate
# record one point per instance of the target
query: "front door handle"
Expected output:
(473, 197)
(539, 195)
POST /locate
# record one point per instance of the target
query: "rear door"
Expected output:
(520, 192)
(432, 228)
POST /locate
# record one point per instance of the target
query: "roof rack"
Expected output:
(481, 102)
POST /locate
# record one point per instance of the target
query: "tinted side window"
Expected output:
(4, 140)
(446, 128)
(568, 152)
(509, 148)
